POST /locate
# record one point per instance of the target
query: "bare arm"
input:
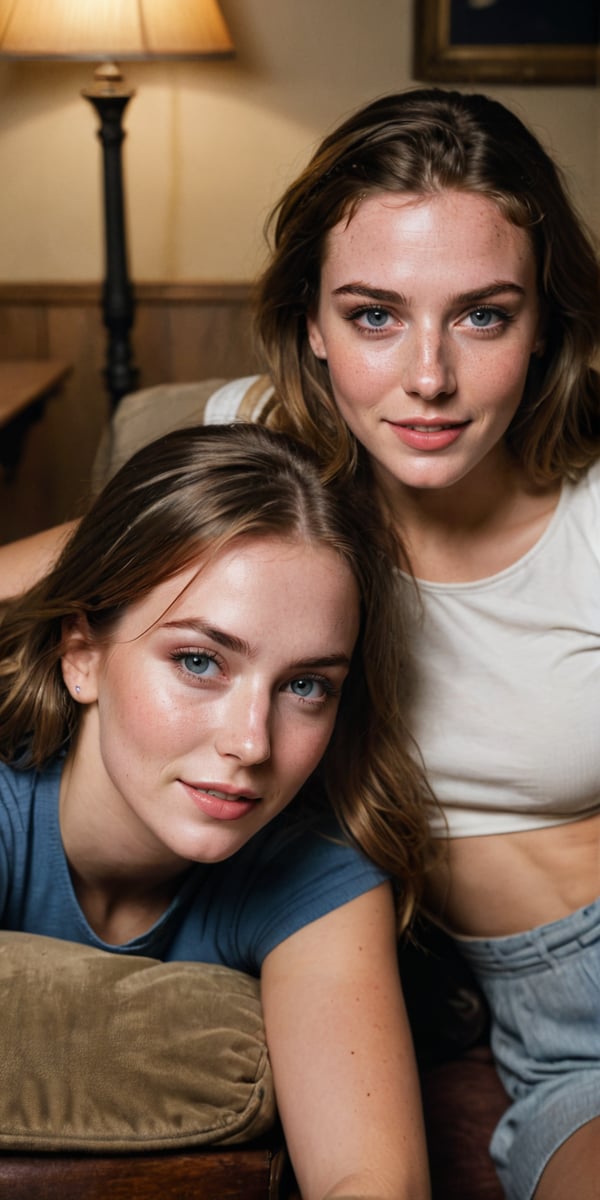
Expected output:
(23, 562)
(341, 1051)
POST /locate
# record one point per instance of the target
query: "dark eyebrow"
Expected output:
(326, 660)
(228, 640)
(487, 293)
(384, 296)
(239, 646)
(370, 293)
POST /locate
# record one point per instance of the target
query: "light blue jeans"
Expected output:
(543, 989)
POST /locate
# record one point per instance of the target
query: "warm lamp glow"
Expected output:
(107, 30)
(122, 29)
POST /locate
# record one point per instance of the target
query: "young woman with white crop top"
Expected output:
(430, 316)
(429, 321)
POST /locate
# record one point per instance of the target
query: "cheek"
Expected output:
(163, 726)
(142, 712)
(505, 381)
(359, 381)
(128, 731)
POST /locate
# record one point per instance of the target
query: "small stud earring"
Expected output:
(77, 688)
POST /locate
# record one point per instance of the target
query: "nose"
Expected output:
(245, 731)
(429, 372)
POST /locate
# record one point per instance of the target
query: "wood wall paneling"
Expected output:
(182, 332)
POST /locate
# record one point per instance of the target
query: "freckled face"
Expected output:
(428, 316)
(214, 701)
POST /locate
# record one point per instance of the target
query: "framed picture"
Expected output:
(507, 41)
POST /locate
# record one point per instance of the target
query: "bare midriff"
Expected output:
(494, 885)
(500, 884)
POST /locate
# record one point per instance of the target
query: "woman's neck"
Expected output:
(473, 529)
(122, 886)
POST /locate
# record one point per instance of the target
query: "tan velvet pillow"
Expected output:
(108, 1052)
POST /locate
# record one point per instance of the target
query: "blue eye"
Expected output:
(376, 317)
(303, 687)
(197, 663)
(372, 318)
(307, 688)
(482, 317)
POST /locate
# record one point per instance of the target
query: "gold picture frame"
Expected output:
(441, 56)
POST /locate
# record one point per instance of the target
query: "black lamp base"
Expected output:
(110, 98)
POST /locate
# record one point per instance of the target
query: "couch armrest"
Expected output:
(143, 416)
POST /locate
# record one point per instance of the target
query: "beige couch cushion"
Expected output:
(147, 414)
(112, 1052)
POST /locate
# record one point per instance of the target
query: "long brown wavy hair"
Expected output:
(190, 495)
(422, 141)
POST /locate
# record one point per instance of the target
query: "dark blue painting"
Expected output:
(530, 23)
(508, 41)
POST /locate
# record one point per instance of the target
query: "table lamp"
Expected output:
(109, 30)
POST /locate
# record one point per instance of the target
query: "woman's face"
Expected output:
(428, 316)
(214, 700)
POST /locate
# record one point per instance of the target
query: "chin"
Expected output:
(218, 849)
(428, 478)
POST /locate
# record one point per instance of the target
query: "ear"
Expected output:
(315, 339)
(79, 660)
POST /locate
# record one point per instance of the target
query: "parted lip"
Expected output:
(223, 791)
(429, 423)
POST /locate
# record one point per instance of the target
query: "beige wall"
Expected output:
(210, 146)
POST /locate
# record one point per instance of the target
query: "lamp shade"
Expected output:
(122, 29)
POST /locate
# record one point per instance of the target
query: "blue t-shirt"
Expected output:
(232, 912)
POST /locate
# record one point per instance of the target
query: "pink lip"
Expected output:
(230, 805)
(428, 433)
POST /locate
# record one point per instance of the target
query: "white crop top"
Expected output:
(506, 699)
(506, 702)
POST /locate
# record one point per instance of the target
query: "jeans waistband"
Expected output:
(546, 942)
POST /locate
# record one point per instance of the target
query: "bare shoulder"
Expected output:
(23, 562)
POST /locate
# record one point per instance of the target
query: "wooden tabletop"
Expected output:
(25, 381)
